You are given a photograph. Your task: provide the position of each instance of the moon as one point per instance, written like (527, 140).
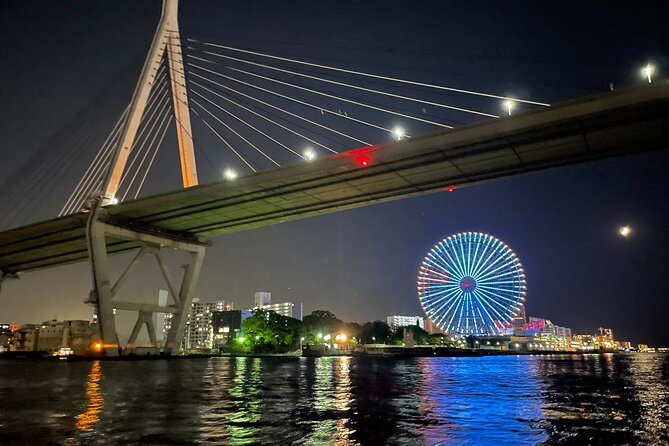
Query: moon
(625, 231)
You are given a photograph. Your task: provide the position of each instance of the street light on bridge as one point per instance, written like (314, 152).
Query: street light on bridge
(648, 71)
(509, 105)
(230, 174)
(309, 154)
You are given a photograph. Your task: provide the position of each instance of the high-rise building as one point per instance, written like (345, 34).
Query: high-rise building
(263, 301)
(198, 333)
(402, 321)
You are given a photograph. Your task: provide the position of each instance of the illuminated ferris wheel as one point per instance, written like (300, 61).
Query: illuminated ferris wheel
(471, 284)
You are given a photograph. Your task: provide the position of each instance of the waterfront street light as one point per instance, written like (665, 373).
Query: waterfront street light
(373, 340)
(301, 341)
(625, 231)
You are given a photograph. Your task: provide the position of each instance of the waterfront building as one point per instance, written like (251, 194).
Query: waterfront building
(6, 336)
(263, 301)
(227, 325)
(520, 319)
(544, 335)
(394, 322)
(74, 337)
(198, 333)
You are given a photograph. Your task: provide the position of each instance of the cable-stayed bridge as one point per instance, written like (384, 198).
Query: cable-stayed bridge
(294, 128)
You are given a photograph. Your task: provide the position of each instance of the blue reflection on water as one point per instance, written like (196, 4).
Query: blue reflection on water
(494, 400)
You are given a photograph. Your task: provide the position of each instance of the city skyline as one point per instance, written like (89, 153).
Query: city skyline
(562, 223)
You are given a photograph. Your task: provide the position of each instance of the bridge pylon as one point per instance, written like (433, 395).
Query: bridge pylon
(166, 41)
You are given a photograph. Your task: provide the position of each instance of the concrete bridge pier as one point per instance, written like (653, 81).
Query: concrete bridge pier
(99, 231)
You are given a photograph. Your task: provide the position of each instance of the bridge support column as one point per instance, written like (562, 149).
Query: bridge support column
(104, 293)
(4, 276)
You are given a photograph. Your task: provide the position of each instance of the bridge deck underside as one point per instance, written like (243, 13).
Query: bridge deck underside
(614, 124)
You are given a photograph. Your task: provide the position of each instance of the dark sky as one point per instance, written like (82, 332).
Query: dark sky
(362, 264)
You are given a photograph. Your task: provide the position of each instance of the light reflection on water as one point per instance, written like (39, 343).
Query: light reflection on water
(503, 400)
(87, 419)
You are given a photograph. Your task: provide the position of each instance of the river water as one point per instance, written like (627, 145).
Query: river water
(500, 400)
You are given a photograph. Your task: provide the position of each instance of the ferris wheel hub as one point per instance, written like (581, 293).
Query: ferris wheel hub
(467, 284)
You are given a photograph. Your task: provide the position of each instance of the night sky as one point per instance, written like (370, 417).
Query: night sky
(362, 264)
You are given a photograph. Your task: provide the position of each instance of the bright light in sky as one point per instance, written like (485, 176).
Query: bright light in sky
(509, 105)
(648, 71)
(230, 174)
(625, 231)
(309, 154)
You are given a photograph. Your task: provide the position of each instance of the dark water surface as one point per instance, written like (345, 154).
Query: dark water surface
(502, 400)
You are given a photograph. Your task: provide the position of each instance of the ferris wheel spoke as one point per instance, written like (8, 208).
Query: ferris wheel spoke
(508, 314)
(436, 297)
(452, 308)
(509, 265)
(439, 293)
(489, 304)
(455, 264)
(486, 327)
(485, 324)
(498, 293)
(487, 262)
(439, 262)
(435, 272)
(452, 302)
(482, 306)
(473, 264)
(435, 264)
(462, 259)
(497, 276)
(462, 308)
(496, 265)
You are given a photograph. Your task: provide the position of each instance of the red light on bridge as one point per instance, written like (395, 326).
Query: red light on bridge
(448, 188)
(363, 160)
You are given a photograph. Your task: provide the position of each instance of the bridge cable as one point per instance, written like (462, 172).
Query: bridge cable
(146, 153)
(371, 75)
(103, 149)
(306, 104)
(343, 84)
(223, 140)
(351, 101)
(98, 168)
(270, 113)
(143, 135)
(264, 117)
(230, 128)
(153, 157)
